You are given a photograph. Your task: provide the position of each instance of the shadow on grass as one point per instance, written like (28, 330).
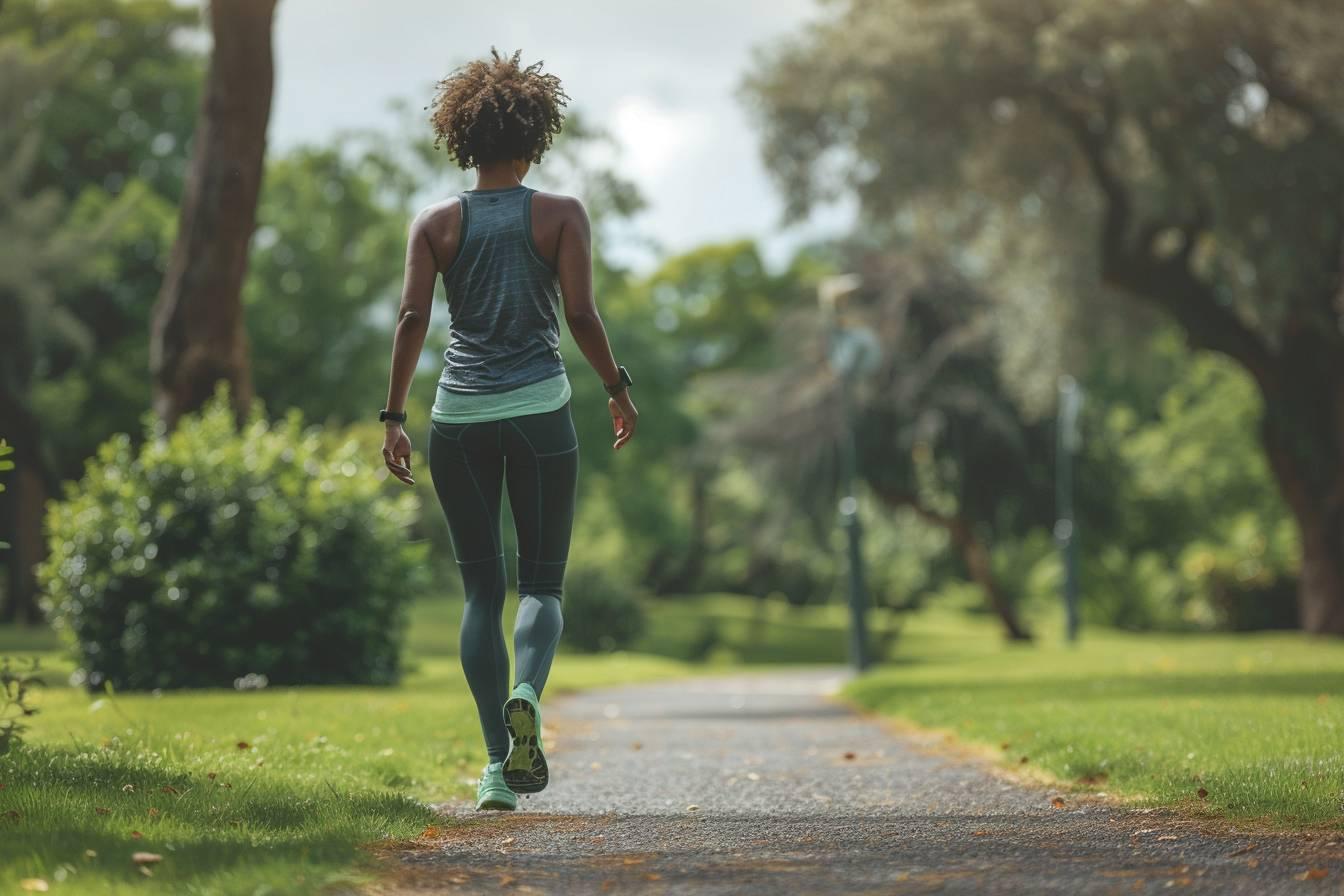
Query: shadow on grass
(90, 810)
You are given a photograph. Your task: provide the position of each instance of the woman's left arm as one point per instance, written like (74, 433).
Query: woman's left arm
(417, 301)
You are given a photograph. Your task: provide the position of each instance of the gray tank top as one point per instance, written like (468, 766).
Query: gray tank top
(503, 298)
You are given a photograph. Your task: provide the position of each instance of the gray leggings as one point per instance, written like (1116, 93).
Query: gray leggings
(538, 456)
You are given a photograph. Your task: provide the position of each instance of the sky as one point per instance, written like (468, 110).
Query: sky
(659, 75)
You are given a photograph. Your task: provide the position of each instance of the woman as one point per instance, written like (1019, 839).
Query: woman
(506, 254)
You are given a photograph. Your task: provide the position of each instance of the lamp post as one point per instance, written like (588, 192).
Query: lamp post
(1067, 441)
(854, 351)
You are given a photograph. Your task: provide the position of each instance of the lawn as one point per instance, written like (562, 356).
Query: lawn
(1246, 726)
(274, 790)
(243, 792)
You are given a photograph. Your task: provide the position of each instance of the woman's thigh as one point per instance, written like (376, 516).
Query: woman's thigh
(467, 467)
(542, 454)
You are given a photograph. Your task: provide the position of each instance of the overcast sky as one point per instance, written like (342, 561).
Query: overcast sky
(660, 75)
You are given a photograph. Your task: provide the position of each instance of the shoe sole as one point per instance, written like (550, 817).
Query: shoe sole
(525, 769)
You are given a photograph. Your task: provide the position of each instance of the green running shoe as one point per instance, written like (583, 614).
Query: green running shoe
(492, 792)
(525, 768)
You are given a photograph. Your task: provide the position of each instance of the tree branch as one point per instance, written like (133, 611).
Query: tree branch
(1168, 283)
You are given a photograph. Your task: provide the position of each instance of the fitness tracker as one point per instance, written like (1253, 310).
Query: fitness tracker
(395, 416)
(621, 386)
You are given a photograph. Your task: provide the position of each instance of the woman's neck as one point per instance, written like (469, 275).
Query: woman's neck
(497, 176)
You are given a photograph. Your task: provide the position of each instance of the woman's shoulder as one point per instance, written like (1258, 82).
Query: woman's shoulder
(558, 205)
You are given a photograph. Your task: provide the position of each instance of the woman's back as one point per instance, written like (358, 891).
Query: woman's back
(502, 298)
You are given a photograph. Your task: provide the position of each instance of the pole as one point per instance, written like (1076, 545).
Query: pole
(849, 521)
(1066, 443)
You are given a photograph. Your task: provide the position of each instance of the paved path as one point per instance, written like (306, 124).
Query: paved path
(764, 785)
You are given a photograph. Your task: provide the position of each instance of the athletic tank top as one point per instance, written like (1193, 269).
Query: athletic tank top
(503, 299)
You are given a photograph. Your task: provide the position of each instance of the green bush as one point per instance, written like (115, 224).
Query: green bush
(603, 609)
(215, 557)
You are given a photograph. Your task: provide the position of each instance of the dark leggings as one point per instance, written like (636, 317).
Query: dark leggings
(538, 455)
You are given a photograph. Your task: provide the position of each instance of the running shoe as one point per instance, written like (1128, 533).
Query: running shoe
(525, 768)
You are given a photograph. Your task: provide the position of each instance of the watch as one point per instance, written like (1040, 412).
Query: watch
(625, 383)
(395, 416)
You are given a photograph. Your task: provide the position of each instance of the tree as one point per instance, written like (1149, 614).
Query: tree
(35, 252)
(936, 431)
(198, 335)
(1202, 144)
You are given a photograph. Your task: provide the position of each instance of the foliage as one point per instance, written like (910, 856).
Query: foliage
(210, 555)
(128, 106)
(604, 609)
(1180, 520)
(15, 686)
(326, 259)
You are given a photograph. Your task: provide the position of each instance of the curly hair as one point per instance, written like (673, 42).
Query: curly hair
(493, 110)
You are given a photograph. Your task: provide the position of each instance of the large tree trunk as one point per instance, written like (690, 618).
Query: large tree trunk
(1303, 435)
(197, 333)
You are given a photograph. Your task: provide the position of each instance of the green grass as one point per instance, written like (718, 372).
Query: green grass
(323, 770)
(723, 629)
(1256, 721)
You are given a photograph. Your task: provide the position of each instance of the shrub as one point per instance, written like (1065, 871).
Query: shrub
(212, 554)
(603, 609)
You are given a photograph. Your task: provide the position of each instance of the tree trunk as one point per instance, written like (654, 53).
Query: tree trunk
(27, 487)
(1303, 435)
(975, 554)
(197, 331)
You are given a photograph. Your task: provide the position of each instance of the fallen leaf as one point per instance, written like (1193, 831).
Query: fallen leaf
(653, 876)
(979, 833)
(1312, 874)
(1202, 793)
(849, 754)
(33, 885)
(211, 776)
(136, 835)
(146, 858)
(692, 808)
(1022, 761)
(636, 746)
(430, 831)
(244, 745)
(1005, 745)
(1057, 802)
(168, 788)
(1180, 882)
(102, 810)
(1252, 863)
(633, 860)
(1169, 837)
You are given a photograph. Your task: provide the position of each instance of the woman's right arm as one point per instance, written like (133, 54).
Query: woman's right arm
(574, 267)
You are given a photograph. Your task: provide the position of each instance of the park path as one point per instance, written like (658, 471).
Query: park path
(764, 784)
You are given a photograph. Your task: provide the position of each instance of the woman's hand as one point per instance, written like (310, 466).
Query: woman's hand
(623, 418)
(397, 453)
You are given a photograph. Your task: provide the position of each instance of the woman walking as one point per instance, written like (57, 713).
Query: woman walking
(507, 254)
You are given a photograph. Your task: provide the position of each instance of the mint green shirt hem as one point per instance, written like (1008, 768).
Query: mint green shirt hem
(535, 398)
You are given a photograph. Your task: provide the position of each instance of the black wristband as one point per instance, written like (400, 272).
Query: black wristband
(395, 416)
(625, 383)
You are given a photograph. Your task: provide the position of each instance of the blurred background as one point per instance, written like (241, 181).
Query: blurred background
(1049, 291)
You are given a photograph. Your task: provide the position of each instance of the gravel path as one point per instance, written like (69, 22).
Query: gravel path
(763, 784)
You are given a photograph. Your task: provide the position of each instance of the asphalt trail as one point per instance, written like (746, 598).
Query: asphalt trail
(764, 784)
